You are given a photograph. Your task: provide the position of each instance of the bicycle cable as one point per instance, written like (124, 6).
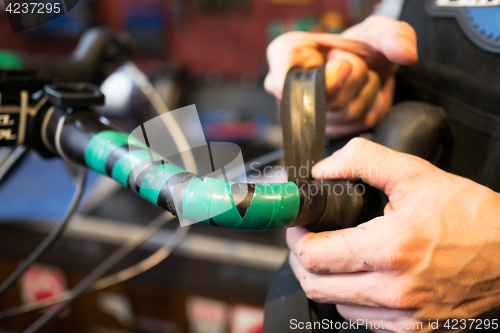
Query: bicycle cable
(54, 235)
(188, 159)
(126, 274)
(146, 264)
(147, 88)
(160, 107)
(86, 283)
(11, 160)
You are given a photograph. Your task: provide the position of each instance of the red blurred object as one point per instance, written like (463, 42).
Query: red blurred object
(230, 42)
(238, 131)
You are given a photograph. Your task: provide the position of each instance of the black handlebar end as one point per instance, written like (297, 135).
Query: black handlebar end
(347, 205)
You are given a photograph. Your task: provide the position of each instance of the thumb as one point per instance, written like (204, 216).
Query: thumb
(374, 164)
(396, 40)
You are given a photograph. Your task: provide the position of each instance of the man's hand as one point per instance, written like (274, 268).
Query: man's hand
(435, 254)
(360, 67)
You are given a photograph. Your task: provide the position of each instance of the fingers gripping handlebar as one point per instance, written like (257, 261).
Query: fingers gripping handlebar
(412, 127)
(79, 134)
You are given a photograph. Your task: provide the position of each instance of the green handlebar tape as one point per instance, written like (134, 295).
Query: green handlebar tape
(207, 200)
(127, 163)
(196, 201)
(102, 145)
(155, 179)
(274, 206)
(211, 199)
(222, 206)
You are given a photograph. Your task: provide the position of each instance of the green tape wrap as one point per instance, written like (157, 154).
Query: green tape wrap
(273, 206)
(196, 201)
(155, 179)
(222, 205)
(211, 199)
(124, 166)
(102, 144)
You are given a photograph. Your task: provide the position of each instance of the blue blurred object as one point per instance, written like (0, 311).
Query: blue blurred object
(145, 23)
(39, 190)
(71, 24)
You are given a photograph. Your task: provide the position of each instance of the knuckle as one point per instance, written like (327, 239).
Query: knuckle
(402, 298)
(399, 255)
(357, 146)
(392, 259)
(414, 167)
(359, 66)
(297, 52)
(411, 168)
(310, 289)
(300, 55)
(285, 41)
(309, 260)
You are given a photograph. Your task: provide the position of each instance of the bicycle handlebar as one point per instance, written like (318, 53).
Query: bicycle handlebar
(73, 131)
(64, 124)
(85, 139)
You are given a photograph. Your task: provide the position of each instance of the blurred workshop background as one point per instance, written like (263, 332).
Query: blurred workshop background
(211, 53)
